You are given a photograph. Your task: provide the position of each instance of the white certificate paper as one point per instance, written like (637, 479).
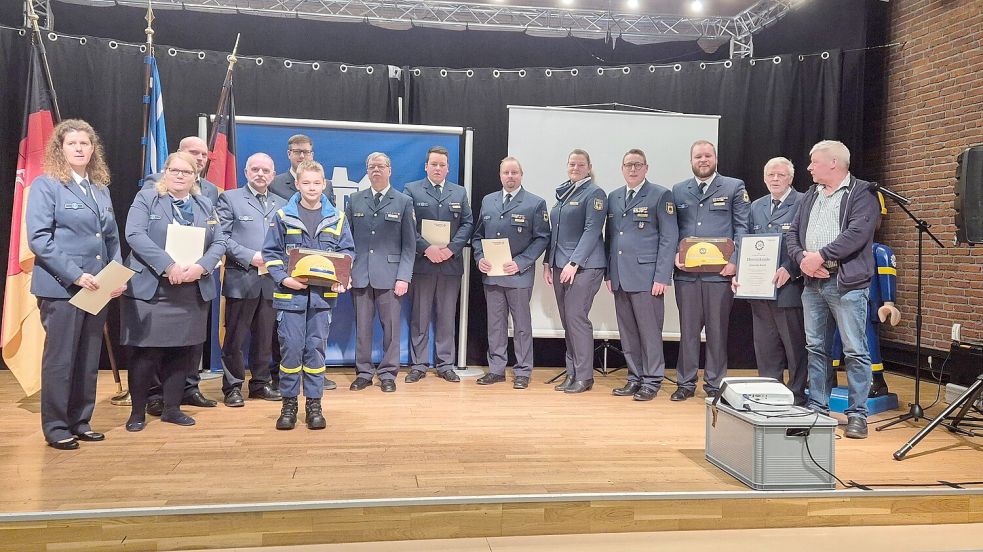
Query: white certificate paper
(185, 244)
(756, 266)
(497, 252)
(436, 232)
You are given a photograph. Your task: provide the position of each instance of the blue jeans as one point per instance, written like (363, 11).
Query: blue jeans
(825, 309)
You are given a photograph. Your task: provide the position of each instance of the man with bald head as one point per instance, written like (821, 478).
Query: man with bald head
(197, 148)
(245, 215)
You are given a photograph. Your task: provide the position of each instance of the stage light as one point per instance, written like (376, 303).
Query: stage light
(566, 2)
(632, 4)
(696, 6)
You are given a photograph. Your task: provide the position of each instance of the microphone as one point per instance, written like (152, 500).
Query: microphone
(900, 199)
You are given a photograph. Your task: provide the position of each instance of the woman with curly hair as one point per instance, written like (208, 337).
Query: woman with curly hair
(73, 234)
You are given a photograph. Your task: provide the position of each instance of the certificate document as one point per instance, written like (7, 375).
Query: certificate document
(111, 277)
(497, 252)
(436, 232)
(185, 244)
(756, 266)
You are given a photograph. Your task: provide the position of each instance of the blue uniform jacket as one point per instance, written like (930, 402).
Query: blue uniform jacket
(245, 222)
(450, 205)
(526, 224)
(763, 221)
(386, 245)
(288, 232)
(146, 233)
(578, 224)
(68, 237)
(722, 212)
(642, 237)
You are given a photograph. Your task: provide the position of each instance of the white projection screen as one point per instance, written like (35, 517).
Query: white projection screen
(542, 137)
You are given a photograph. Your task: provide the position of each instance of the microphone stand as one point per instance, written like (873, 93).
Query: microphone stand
(915, 411)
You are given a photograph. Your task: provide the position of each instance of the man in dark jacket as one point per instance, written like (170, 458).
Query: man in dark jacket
(830, 239)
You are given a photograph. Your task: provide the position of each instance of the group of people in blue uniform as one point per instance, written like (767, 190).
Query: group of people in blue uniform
(627, 239)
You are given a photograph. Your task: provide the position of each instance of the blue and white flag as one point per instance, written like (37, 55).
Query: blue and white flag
(155, 142)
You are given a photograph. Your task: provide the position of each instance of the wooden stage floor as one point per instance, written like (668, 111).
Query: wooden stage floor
(457, 454)
(428, 439)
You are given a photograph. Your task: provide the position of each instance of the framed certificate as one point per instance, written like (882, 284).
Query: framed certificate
(756, 266)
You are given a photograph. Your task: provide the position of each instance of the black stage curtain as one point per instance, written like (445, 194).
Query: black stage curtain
(104, 85)
(768, 108)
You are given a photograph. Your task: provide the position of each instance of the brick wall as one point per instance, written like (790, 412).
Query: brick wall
(933, 111)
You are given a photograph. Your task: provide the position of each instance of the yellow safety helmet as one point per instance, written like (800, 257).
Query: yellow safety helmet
(703, 253)
(314, 266)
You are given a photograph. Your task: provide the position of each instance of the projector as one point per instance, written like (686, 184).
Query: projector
(756, 394)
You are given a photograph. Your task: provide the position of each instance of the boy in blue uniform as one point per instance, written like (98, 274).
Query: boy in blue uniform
(304, 313)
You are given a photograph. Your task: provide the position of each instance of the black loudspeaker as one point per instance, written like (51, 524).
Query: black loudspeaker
(965, 363)
(969, 196)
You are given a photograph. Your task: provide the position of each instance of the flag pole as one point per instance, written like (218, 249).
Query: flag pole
(122, 396)
(149, 31)
(32, 16)
(224, 96)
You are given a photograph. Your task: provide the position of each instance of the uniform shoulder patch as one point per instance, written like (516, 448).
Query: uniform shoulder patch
(747, 199)
(546, 216)
(670, 208)
(598, 204)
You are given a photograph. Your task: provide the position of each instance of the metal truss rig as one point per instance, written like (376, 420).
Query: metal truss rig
(537, 21)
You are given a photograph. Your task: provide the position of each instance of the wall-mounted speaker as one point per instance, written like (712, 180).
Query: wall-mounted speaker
(969, 196)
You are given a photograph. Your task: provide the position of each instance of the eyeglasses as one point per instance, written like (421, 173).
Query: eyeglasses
(301, 152)
(376, 166)
(180, 172)
(634, 166)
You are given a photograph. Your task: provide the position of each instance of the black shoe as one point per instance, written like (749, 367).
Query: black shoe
(329, 384)
(65, 444)
(645, 394)
(288, 414)
(567, 382)
(155, 407)
(197, 399)
(490, 378)
(315, 418)
(175, 416)
(414, 376)
(713, 393)
(233, 399)
(878, 389)
(360, 383)
(388, 385)
(856, 428)
(681, 394)
(266, 393)
(91, 436)
(626, 391)
(521, 382)
(450, 375)
(135, 424)
(580, 386)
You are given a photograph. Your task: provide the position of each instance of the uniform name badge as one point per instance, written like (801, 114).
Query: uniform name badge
(757, 264)
(704, 254)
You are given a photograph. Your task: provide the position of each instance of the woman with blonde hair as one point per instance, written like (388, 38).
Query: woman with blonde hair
(165, 307)
(73, 234)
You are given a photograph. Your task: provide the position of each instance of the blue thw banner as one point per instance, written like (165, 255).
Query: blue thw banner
(155, 142)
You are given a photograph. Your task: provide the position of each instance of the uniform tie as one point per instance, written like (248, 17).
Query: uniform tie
(703, 188)
(183, 210)
(262, 200)
(774, 204)
(631, 196)
(508, 199)
(378, 198)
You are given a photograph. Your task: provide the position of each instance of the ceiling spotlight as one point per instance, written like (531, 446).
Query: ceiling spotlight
(566, 2)
(632, 4)
(696, 6)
